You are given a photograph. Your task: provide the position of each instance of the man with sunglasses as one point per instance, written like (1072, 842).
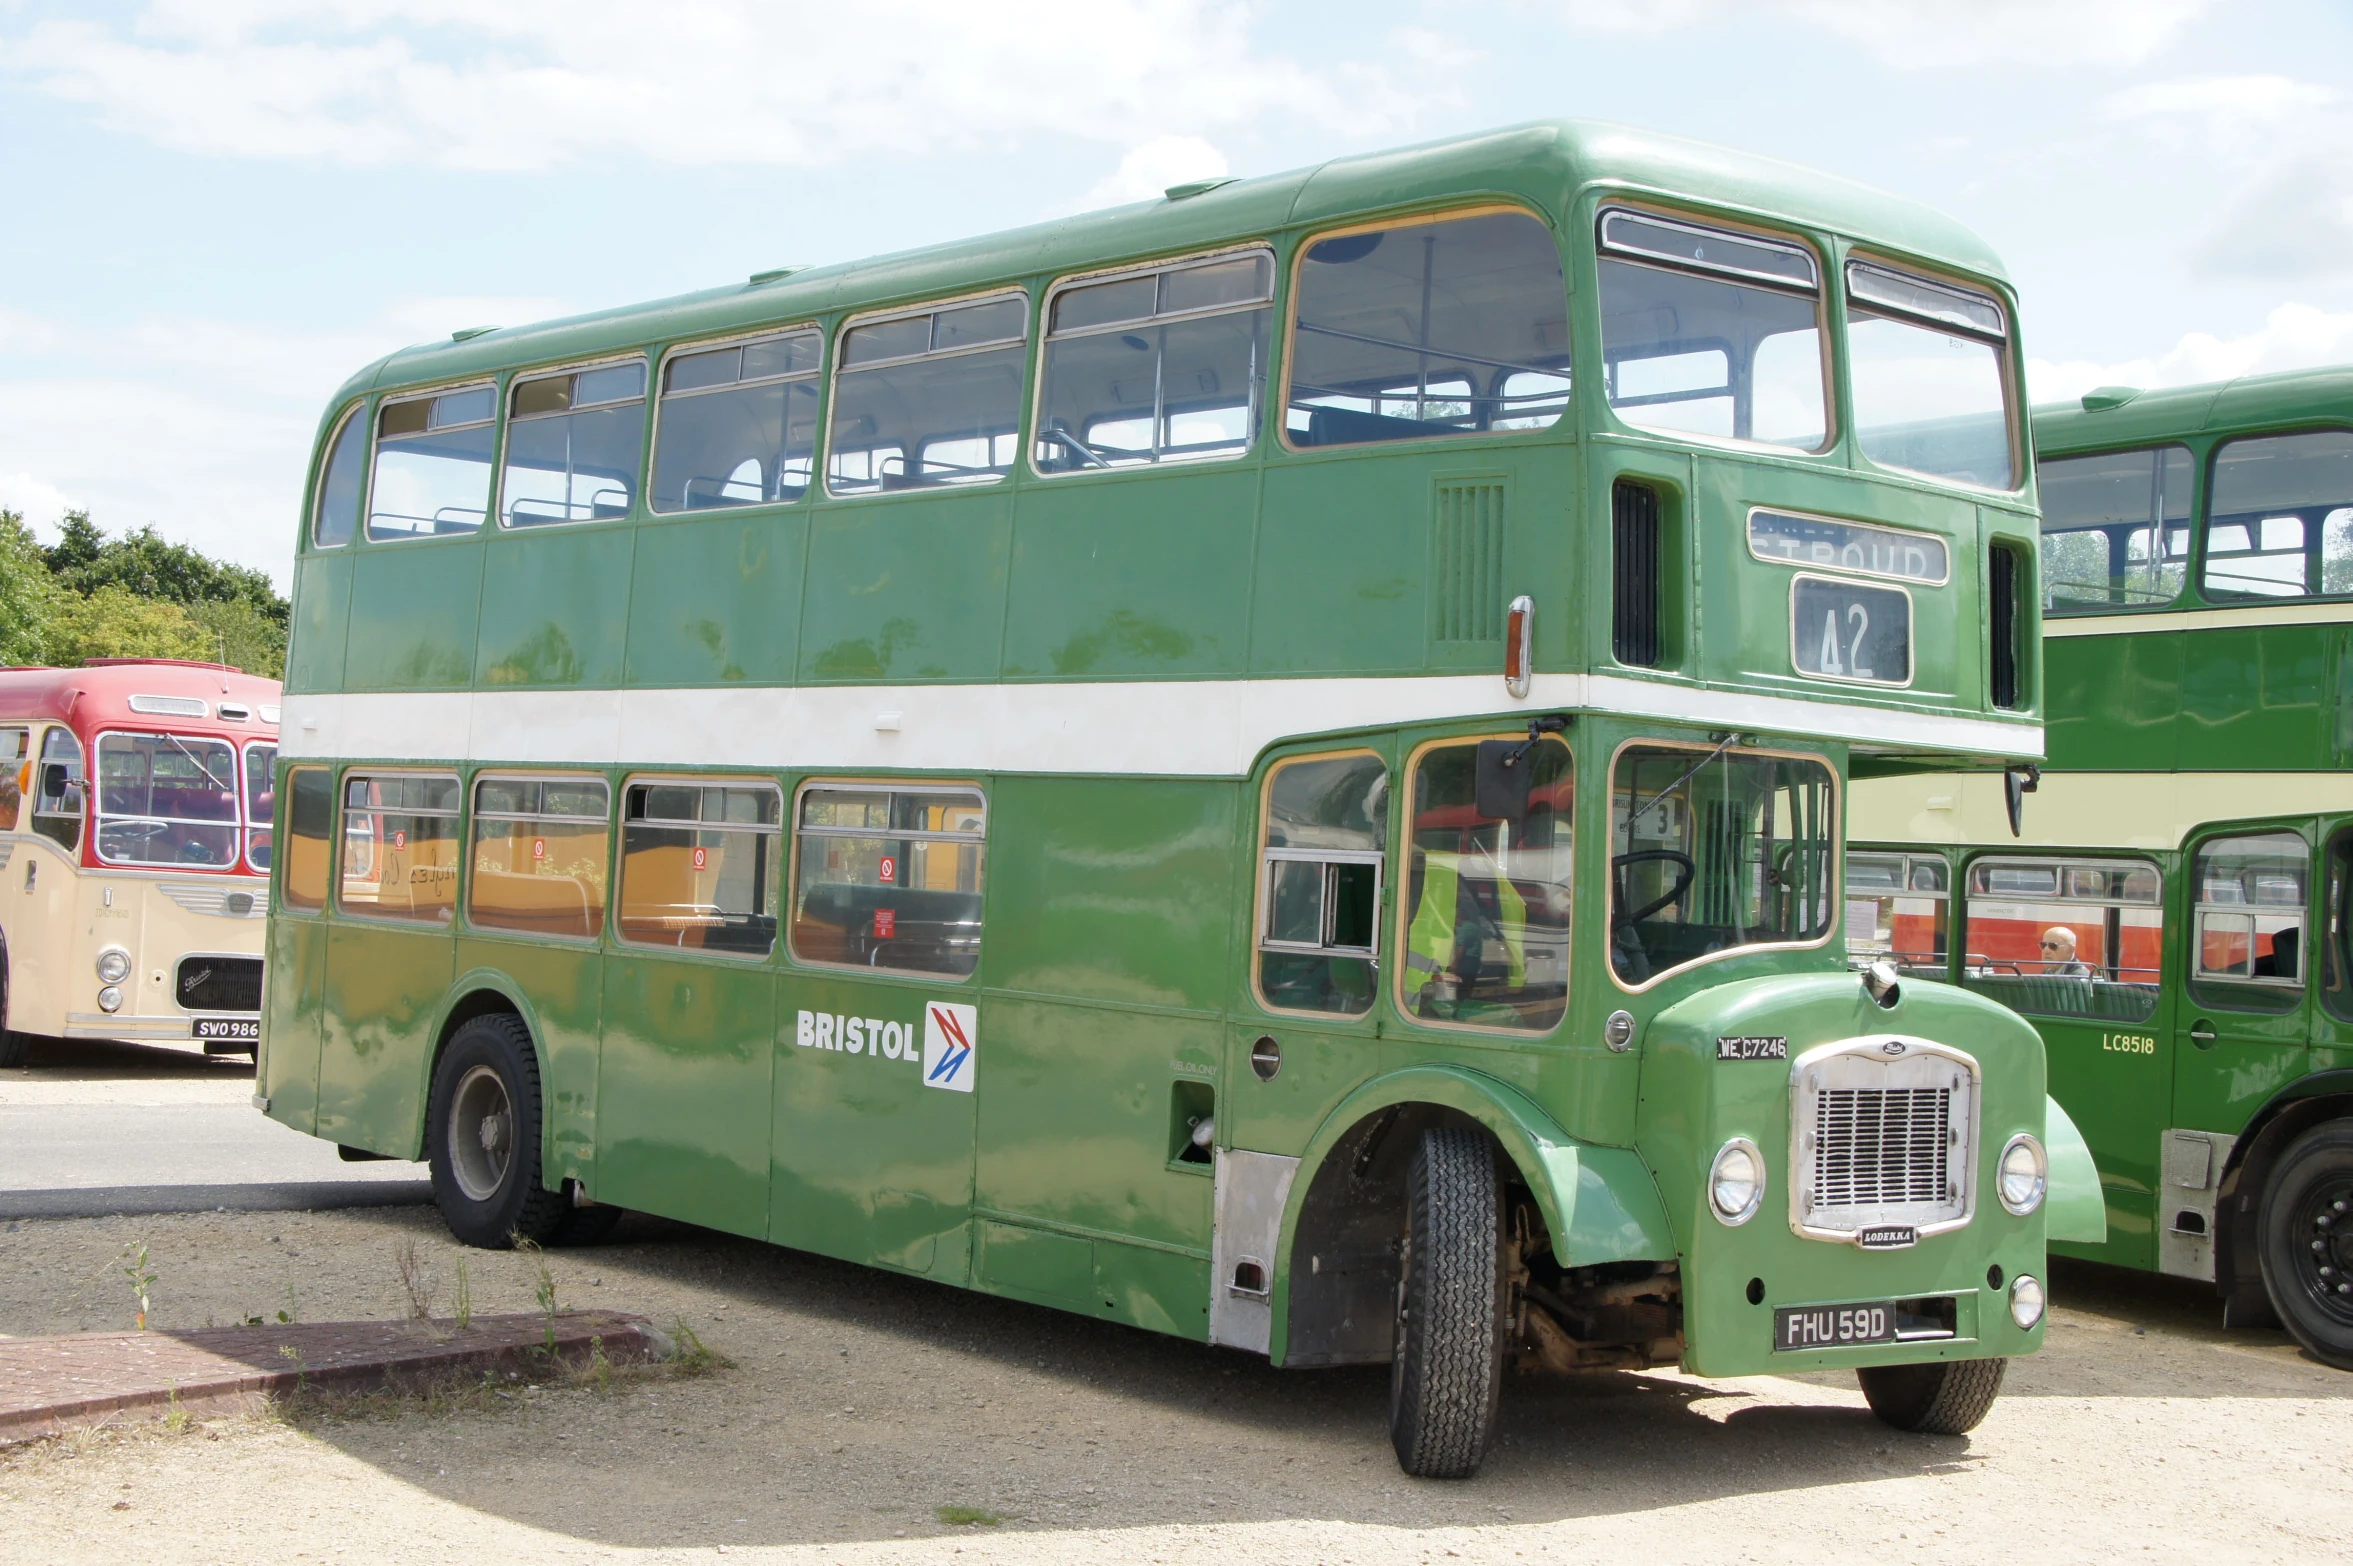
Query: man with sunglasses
(2059, 953)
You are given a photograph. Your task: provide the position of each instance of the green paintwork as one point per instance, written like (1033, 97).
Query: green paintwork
(2073, 1210)
(1114, 990)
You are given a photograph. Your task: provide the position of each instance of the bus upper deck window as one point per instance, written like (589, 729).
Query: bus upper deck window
(923, 401)
(2116, 528)
(1709, 331)
(1327, 829)
(700, 866)
(889, 878)
(433, 464)
(540, 848)
(310, 835)
(738, 423)
(2279, 523)
(1451, 326)
(1930, 389)
(341, 484)
(574, 441)
(400, 847)
(57, 790)
(1488, 898)
(1160, 366)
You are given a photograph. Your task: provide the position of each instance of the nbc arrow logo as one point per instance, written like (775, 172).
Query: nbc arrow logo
(948, 1035)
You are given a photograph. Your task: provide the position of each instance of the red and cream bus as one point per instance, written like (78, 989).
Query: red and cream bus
(135, 805)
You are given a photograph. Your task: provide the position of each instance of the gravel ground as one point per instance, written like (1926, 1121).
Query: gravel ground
(859, 1404)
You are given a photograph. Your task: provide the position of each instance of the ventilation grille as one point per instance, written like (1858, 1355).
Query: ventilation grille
(2002, 612)
(1882, 1147)
(1634, 580)
(1468, 572)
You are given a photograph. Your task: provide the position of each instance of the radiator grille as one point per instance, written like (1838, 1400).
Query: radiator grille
(2002, 625)
(1634, 575)
(1467, 577)
(219, 984)
(1881, 1147)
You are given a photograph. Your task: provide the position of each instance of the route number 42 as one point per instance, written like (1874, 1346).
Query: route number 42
(1848, 631)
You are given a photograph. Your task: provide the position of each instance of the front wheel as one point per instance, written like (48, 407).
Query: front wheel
(2306, 1241)
(1950, 1397)
(1447, 1378)
(482, 1137)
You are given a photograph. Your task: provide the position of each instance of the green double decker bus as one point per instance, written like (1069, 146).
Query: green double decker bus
(1267, 765)
(2175, 915)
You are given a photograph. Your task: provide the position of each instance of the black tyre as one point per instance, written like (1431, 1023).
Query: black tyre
(1951, 1397)
(586, 1225)
(2305, 1230)
(15, 1048)
(1447, 1378)
(482, 1137)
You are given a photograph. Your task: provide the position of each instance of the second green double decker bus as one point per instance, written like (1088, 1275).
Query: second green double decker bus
(1268, 765)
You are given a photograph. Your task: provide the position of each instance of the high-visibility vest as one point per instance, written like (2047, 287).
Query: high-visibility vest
(1429, 939)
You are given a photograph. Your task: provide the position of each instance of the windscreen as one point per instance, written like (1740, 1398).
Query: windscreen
(1715, 850)
(167, 800)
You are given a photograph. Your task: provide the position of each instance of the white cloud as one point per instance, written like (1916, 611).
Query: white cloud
(202, 427)
(2293, 337)
(1150, 169)
(531, 84)
(1926, 34)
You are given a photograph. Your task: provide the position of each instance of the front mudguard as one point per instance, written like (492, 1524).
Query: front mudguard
(2076, 1209)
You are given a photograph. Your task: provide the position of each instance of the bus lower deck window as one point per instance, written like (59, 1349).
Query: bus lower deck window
(889, 878)
(539, 856)
(700, 866)
(400, 847)
(1487, 898)
(310, 837)
(1327, 828)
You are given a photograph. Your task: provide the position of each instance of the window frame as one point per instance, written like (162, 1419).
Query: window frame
(2206, 465)
(495, 384)
(281, 864)
(1833, 927)
(1182, 263)
(621, 820)
(1278, 402)
(1907, 857)
(821, 376)
(2193, 524)
(2252, 991)
(248, 823)
(2015, 412)
(457, 901)
(96, 797)
(513, 381)
(1705, 221)
(838, 365)
(475, 815)
(884, 786)
(1262, 901)
(1401, 832)
(12, 769)
(361, 407)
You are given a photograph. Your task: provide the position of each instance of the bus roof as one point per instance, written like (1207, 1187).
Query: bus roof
(2100, 422)
(1544, 162)
(100, 695)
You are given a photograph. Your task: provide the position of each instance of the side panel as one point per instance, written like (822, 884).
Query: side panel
(384, 990)
(2115, 1081)
(294, 974)
(37, 890)
(564, 985)
(2255, 691)
(682, 1089)
(413, 608)
(2112, 701)
(716, 601)
(915, 589)
(562, 598)
(322, 598)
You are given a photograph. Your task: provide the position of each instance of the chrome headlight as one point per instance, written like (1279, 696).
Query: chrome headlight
(2026, 1302)
(1736, 1181)
(2023, 1175)
(110, 999)
(114, 965)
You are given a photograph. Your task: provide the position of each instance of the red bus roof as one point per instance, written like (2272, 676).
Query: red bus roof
(101, 694)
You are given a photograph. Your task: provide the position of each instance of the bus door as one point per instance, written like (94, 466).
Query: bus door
(2244, 1020)
(2332, 1022)
(2076, 945)
(688, 1021)
(878, 1044)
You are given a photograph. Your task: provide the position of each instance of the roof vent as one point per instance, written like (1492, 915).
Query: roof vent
(233, 714)
(2101, 398)
(775, 274)
(269, 714)
(169, 706)
(1196, 187)
(465, 333)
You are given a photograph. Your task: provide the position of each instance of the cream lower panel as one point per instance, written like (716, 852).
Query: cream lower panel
(1200, 728)
(2145, 810)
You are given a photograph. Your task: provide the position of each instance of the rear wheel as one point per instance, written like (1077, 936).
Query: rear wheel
(1951, 1397)
(1446, 1381)
(2306, 1241)
(15, 1048)
(482, 1137)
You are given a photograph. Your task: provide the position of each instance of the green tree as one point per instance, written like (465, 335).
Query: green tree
(238, 633)
(146, 563)
(113, 623)
(27, 595)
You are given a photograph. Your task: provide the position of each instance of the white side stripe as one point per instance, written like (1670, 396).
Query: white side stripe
(1192, 728)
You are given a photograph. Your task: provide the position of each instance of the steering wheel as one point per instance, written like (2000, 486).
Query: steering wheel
(1620, 863)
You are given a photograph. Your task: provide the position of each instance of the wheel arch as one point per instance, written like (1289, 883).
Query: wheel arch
(2286, 1115)
(1347, 1201)
(480, 993)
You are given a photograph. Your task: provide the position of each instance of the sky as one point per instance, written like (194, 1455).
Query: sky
(213, 211)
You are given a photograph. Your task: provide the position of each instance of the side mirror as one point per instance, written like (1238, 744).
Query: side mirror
(54, 780)
(2017, 783)
(1500, 779)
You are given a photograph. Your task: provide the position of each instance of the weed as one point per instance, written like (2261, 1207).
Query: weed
(694, 1357)
(600, 1369)
(417, 1280)
(175, 1417)
(967, 1517)
(543, 1287)
(293, 1311)
(142, 1277)
(462, 1299)
(301, 1371)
